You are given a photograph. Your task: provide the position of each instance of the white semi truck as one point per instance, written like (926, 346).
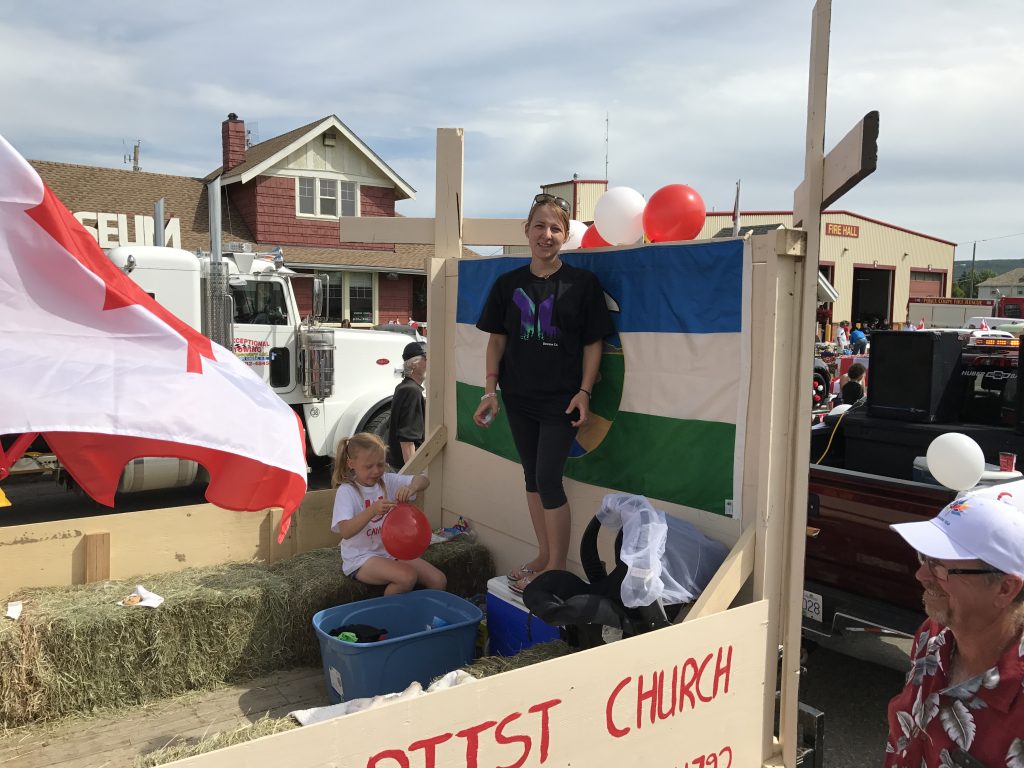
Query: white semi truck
(339, 380)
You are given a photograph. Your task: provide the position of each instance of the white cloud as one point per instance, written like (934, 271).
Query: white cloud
(701, 93)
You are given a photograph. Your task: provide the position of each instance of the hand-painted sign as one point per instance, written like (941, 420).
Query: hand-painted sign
(689, 696)
(842, 230)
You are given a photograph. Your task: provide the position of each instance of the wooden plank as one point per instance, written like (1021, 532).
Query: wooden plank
(119, 738)
(595, 707)
(727, 581)
(97, 556)
(158, 540)
(427, 452)
(386, 229)
(493, 232)
(850, 161)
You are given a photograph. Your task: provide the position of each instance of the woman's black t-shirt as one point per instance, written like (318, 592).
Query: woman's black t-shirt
(548, 322)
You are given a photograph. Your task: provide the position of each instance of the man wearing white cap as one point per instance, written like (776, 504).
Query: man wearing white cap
(963, 704)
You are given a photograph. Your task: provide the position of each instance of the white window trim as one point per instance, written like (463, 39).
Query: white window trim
(316, 197)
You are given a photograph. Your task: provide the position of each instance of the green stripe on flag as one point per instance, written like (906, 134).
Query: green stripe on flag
(497, 438)
(684, 461)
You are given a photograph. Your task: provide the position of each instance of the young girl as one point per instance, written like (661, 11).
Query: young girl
(366, 493)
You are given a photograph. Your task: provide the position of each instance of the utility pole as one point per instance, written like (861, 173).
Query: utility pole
(974, 250)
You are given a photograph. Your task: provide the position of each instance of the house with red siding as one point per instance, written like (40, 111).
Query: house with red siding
(292, 191)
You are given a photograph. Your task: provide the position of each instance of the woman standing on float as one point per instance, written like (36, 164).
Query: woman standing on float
(546, 322)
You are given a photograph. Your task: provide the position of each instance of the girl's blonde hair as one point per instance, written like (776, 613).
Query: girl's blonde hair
(349, 448)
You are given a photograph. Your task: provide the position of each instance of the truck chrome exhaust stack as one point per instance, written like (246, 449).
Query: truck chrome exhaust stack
(316, 362)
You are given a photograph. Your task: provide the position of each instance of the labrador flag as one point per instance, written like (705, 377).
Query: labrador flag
(107, 375)
(669, 409)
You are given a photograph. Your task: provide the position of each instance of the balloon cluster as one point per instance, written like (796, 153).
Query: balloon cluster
(623, 217)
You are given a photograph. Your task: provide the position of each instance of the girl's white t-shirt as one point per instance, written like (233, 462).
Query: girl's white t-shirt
(349, 501)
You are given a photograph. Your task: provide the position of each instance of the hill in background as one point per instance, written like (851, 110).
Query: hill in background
(999, 266)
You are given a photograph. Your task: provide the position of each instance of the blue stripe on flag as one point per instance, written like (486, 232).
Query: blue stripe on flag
(675, 288)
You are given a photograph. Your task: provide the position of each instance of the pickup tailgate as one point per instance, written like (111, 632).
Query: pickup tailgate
(850, 547)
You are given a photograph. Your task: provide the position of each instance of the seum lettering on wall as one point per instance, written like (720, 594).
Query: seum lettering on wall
(114, 229)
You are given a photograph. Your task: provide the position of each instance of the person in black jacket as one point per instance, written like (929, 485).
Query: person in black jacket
(405, 431)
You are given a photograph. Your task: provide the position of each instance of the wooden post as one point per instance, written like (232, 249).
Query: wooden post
(97, 556)
(796, 452)
(447, 244)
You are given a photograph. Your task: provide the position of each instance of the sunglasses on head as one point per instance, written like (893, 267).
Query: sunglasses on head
(544, 197)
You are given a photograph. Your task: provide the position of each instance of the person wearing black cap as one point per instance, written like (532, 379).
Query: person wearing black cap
(405, 432)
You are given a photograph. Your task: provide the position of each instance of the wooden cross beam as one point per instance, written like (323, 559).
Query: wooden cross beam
(852, 159)
(379, 229)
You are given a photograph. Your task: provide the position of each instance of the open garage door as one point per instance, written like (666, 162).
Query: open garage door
(872, 296)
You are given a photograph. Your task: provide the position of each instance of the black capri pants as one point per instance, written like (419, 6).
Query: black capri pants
(543, 445)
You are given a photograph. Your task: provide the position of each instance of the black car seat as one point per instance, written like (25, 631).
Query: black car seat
(582, 609)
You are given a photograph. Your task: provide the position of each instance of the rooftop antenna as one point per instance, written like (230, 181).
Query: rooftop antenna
(252, 134)
(133, 158)
(606, 146)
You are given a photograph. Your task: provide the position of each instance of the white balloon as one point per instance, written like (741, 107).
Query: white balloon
(618, 215)
(576, 232)
(956, 461)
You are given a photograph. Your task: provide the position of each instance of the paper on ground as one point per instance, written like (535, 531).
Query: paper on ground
(319, 714)
(147, 599)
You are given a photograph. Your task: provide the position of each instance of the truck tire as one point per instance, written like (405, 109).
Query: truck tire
(379, 424)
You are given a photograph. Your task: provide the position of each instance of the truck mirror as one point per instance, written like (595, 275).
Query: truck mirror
(318, 299)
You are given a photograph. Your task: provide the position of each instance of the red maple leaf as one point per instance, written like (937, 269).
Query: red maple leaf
(121, 291)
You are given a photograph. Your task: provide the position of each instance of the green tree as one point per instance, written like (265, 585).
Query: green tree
(962, 287)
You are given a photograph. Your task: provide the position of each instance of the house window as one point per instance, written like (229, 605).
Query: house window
(348, 198)
(307, 196)
(360, 297)
(326, 197)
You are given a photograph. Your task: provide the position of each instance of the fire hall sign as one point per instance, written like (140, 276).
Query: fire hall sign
(114, 229)
(842, 230)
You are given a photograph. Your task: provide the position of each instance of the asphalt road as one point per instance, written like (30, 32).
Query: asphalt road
(853, 694)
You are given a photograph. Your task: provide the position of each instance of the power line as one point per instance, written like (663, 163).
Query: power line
(988, 239)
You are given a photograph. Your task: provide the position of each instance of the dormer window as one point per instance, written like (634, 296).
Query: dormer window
(324, 198)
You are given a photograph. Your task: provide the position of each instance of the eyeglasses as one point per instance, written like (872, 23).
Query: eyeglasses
(942, 572)
(544, 197)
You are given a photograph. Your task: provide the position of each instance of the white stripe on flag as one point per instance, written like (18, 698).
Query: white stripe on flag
(470, 354)
(682, 375)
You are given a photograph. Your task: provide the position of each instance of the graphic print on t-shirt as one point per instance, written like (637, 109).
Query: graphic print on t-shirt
(535, 321)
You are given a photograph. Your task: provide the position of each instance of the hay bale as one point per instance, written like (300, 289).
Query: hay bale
(74, 650)
(486, 666)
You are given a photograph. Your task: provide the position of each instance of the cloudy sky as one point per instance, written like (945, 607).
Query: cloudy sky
(696, 92)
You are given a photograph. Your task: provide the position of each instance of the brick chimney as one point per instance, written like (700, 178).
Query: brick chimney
(232, 136)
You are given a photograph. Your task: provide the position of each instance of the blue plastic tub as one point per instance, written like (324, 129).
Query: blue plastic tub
(414, 648)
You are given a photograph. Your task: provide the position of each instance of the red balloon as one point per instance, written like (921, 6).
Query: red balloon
(675, 212)
(592, 238)
(405, 532)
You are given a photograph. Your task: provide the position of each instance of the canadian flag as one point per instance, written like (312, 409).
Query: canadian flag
(983, 325)
(920, 326)
(107, 375)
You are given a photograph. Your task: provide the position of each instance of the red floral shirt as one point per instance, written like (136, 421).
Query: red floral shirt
(930, 722)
